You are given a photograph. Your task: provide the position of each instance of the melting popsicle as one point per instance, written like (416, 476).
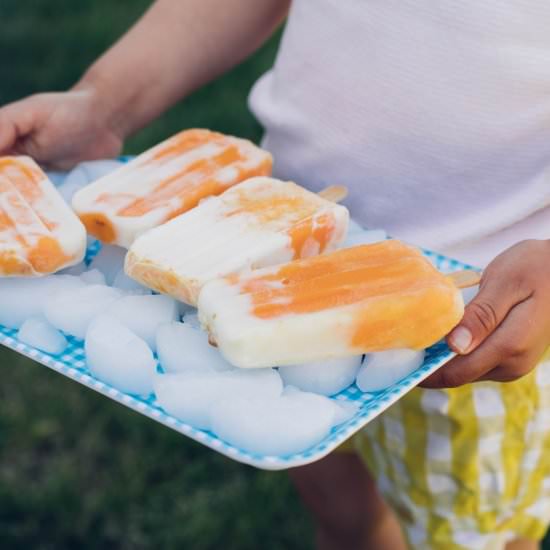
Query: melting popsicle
(257, 223)
(165, 181)
(39, 233)
(357, 300)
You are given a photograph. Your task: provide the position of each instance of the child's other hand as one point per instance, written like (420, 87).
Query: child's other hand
(506, 327)
(58, 130)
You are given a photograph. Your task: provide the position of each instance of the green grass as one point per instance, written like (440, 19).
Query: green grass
(77, 470)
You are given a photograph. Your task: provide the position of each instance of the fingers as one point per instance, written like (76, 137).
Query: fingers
(507, 354)
(8, 130)
(496, 296)
(57, 129)
(513, 368)
(17, 121)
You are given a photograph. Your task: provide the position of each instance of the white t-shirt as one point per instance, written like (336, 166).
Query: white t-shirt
(436, 115)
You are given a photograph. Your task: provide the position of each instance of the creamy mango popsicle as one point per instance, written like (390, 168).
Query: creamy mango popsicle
(39, 233)
(357, 300)
(165, 181)
(258, 223)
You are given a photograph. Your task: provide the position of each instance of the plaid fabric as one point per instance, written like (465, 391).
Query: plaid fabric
(468, 467)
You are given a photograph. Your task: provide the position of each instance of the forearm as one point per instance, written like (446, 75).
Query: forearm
(177, 46)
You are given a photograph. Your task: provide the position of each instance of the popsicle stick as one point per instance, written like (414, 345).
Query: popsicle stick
(465, 278)
(334, 193)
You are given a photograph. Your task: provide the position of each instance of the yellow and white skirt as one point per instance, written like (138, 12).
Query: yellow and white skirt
(466, 468)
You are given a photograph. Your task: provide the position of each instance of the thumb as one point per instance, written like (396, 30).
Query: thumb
(17, 120)
(8, 130)
(496, 297)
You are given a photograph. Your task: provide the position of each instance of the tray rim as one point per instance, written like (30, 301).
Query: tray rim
(380, 401)
(147, 408)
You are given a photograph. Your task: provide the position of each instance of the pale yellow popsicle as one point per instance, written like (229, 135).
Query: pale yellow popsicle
(39, 233)
(165, 181)
(260, 222)
(358, 300)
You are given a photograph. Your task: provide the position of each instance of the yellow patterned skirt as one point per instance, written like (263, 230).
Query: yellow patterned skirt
(466, 468)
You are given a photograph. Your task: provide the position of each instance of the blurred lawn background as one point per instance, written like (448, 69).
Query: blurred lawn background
(78, 471)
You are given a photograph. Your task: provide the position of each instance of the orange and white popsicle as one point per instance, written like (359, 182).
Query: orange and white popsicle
(258, 223)
(165, 181)
(39, 233)
(357, 300)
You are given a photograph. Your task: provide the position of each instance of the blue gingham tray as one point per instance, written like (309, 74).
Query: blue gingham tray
(72, 364)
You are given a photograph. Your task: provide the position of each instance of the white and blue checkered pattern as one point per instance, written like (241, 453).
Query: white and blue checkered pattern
(72, 363)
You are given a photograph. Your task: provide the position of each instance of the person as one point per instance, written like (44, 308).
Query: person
(437, 117)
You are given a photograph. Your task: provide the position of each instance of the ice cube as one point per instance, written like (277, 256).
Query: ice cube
(95, 169)
(77, 176)
(181, 347)
(144, 314)
(76, 270)
(190, 395)
(72, 311)
(109, 260)
(56, 177)
(364, 237)
(346, 411)
(93, 277)
(324, 377)
(184, 309)
(67, 189)
(124, 282)
(384, 368)
(39, 334)
(354, 227)
(289, 390)
(21, 299)
(282, 425)
(73, 182)
(83, 174)
(117, 356)
(192, 319)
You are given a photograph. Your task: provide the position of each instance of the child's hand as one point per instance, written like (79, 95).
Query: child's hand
(58, 129)
(166, 55)
(506, 327)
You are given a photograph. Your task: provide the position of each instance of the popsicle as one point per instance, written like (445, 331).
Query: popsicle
(357, 300)
(39, 233)
(165, 181)
(257, 223)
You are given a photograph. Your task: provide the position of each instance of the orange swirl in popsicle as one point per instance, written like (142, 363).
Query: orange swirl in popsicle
(165, 181)
(257, 223)
(39, 233)
(352, 301)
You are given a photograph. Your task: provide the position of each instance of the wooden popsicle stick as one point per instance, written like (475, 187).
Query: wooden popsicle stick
(465, 278)
(334, 193)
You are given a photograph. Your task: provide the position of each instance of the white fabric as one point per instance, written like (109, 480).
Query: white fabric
(435, 114)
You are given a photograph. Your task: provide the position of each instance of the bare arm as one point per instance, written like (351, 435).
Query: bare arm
(177, 46)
